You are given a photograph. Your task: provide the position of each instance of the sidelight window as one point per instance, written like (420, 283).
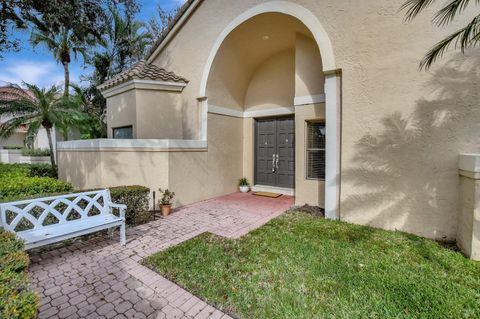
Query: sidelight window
(315, 150)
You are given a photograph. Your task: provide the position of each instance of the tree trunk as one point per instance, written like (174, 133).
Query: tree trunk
(67, 78)
(50, 144)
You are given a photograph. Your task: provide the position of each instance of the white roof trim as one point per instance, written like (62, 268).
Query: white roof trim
(178, 25)
(144, 85)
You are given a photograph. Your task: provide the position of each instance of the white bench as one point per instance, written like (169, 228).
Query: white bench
(77, 214)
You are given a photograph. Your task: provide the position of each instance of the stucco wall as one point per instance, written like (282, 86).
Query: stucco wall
(272, 84)
(309, 78)
(197, 176)
(158, 115)
(121, 111)
(94, 169)
(17, 139)
(307, 191)
(401, 129)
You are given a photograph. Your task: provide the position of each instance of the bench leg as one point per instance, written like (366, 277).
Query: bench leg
(110, 232)
(123, 236)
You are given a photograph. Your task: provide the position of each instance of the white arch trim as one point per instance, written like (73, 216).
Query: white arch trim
(332, 89)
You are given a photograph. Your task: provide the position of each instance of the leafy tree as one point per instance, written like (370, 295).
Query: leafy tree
(84, 18)
(125, 42)
(157, 25)
(38, 107)
(466, 37)
(62, 44)
(9, 20)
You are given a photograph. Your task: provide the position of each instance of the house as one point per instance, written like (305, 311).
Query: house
(320, 99)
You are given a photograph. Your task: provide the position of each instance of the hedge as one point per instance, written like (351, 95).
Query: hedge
(35, 152)
(136, 198)
(20, 187)
(18, 181)
(16, 299)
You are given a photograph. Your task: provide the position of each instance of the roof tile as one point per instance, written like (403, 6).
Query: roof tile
(142, 71)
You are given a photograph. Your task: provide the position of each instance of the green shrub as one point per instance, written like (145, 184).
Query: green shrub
(35, 152)
(42, 170)
(18, 181)
(12, 147)
(136, 198)
(19, 187)
(16, 299)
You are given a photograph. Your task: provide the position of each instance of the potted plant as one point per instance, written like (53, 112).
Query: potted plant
(244, 185)
(166, 201)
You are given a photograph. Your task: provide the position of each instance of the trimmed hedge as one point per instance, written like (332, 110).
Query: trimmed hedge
(16, 300)
(18, 181)
(35, 152)
(12, 147)
(136, 198)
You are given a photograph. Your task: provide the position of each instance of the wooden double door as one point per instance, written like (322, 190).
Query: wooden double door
(275, 152)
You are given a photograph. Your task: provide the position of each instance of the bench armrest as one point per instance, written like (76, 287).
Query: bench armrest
(121, 207)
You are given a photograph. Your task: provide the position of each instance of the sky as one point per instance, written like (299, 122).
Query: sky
(37, 66)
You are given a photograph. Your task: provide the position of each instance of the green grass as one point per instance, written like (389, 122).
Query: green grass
(300, 266)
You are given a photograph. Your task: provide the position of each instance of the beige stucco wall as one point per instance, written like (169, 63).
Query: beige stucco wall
(121, 111)
(152, 113)
(307, 191)
(393, 176)
(158, 115)
(309, 78)
(94, 169)
(272, 84)
(192, 174)
(203, 175)
(249, 149)
(17, 139)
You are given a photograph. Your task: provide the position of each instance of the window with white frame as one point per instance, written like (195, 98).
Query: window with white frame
(125, 132)
(315, 151)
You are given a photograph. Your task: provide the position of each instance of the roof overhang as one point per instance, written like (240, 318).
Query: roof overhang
(144, 85)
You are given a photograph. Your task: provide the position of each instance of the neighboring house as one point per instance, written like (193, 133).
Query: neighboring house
(19, 137)
(320, 99)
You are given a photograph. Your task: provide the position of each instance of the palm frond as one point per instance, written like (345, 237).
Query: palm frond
(414, 7)
(467, 37)
(450, 11)
(9, 127)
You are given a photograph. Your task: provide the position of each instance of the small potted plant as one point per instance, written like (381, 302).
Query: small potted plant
(166, 201)
(244, 185)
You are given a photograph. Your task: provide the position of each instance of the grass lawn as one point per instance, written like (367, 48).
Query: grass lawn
(300, 266)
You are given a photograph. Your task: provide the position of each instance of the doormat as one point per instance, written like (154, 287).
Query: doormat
(267, 194)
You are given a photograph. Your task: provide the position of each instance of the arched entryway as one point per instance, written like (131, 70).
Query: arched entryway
(257, 70)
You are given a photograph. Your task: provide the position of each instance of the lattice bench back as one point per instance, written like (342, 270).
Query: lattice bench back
(55, 210)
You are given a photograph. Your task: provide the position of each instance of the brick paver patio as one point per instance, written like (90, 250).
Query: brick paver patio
(98, 278)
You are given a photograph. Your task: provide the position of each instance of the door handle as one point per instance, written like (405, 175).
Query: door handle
(273, 163)
(276, 162)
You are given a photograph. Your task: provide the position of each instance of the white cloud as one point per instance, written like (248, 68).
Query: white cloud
(41, 73)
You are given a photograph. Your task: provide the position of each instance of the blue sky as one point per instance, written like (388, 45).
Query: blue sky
(38, 65)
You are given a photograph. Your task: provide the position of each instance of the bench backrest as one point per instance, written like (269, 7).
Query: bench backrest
(42, 212)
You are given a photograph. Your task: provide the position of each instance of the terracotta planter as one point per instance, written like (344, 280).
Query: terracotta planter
(166, 209)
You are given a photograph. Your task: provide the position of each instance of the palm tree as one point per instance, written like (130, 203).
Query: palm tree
(62, 44)
(125, 43)
(38, 107)
(464, 38)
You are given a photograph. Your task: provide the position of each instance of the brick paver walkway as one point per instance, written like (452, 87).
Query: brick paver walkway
(98, 278)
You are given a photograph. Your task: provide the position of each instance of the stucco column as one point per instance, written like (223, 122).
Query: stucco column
(468, 231)
(332, 147)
